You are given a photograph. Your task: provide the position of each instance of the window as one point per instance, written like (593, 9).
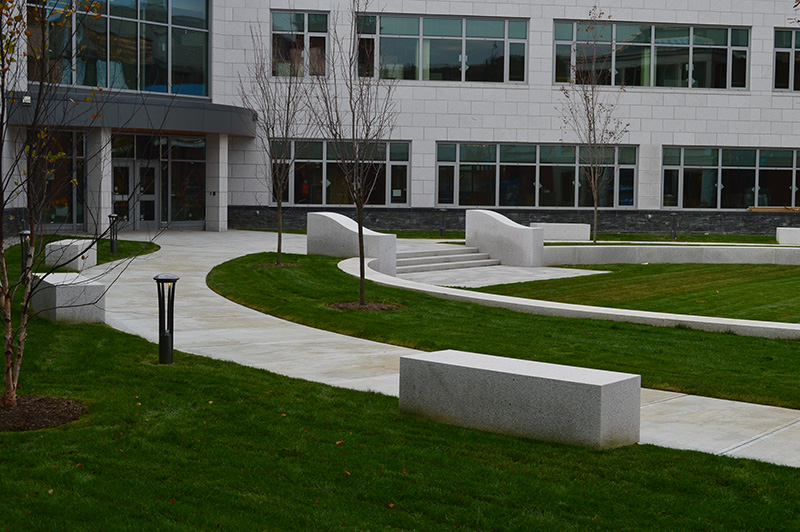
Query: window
(529, 175)
(317, 178)
(442, 48)
(122, 47)
(645, 55)
(729, 178)
(299, 43)
(787, 58)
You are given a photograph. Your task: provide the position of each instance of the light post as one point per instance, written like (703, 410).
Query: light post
(24, 245)
(674, 224)
(166, 313)
(112, 232)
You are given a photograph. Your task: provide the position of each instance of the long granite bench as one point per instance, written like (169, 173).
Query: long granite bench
(73, 254)
(69, 297)
(533, 399)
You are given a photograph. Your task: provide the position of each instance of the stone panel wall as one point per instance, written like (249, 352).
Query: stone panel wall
(624, 221)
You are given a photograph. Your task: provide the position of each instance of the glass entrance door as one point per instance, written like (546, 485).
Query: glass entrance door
(135, 194)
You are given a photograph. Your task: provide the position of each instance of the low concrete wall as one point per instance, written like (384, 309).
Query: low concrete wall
(545, 401)
(69, 297)
(673, 254)
(509, 242)
(788, 236)
(73, 254)
(555, 231)
(336, 235)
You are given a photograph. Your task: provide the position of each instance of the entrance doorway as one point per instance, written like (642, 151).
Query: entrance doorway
(135, 194)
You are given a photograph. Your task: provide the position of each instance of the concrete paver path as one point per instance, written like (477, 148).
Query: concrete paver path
(210, 325)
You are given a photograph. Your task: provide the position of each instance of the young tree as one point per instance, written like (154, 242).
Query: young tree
(274, 89)
(589, 105)
(36, 51)
(354, 109)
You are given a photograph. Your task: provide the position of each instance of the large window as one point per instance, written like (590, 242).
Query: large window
(157, 46)
(648, 55)
(529, 175)
(317, 178)
(63, 183)
(729, 178)
(299, 43)
(787, 59)
(443, 48)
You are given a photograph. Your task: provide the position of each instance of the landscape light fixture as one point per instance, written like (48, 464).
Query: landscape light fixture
(24, 245)
(166, 315)
(112, 232)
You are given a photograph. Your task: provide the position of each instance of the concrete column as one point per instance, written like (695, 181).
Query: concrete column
(216, 183)
(98, 179)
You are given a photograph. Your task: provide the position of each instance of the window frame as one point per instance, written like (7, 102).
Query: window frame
(327, 158)
(499, 164)
(307, 34)
(720, 167)
(374, 21)
(690, 44)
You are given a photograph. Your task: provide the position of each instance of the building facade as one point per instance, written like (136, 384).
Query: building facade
(710, 102)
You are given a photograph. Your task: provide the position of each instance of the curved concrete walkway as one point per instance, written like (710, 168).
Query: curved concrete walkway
(209, 325)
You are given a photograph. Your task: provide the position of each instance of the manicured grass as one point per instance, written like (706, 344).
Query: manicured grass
(717, 365)
(125, 249)
(209, 445)
(747, 291)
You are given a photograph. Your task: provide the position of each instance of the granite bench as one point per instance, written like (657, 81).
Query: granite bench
(69, 297)
(533, 399)
(788, 236)
(75, 254)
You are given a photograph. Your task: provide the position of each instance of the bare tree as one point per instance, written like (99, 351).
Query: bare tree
(354, 109)
(274, 89)
(37, 105)
(589, 105)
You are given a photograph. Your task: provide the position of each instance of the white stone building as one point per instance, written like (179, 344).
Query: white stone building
(710, 99)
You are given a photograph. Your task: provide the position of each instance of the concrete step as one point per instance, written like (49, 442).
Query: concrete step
(457, 250)
(447, 266)
(436, 259)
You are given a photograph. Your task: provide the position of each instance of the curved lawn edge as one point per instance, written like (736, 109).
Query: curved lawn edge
(762, 329)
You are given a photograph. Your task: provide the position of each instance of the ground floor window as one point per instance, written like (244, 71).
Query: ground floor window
(530, 175)
(318, 179)
(729, 178)
(158, 180)
(63, 183)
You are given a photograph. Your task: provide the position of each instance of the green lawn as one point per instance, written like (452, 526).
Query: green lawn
(746, 291)
(717, 365)
(209, 445)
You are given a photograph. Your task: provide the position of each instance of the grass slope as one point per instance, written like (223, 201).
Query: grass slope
(717, 365)
(209, 445)
(747, 291)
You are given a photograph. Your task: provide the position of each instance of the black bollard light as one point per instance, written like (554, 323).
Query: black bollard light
(443, 227)
(24, 245)
(112, 232)
(166, 314)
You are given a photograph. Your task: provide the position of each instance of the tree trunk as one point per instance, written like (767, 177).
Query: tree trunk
(594, 225)
(361, 269)
(280, 231)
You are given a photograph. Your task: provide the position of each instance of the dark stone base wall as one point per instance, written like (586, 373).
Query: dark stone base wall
(614, 221)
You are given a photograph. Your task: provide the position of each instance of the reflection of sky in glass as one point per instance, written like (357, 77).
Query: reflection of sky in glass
(189, 13)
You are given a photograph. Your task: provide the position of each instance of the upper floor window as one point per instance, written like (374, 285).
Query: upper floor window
(787, 57)
(645, 55)
(530, 175)
(442, 48)
(729, 178)
(298, 43)
(157, 46)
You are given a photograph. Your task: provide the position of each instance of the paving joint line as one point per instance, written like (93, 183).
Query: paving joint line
(665, 400)
(765, 434)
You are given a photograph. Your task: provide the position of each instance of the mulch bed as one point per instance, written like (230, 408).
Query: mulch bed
(34, 413)
(369, 305)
